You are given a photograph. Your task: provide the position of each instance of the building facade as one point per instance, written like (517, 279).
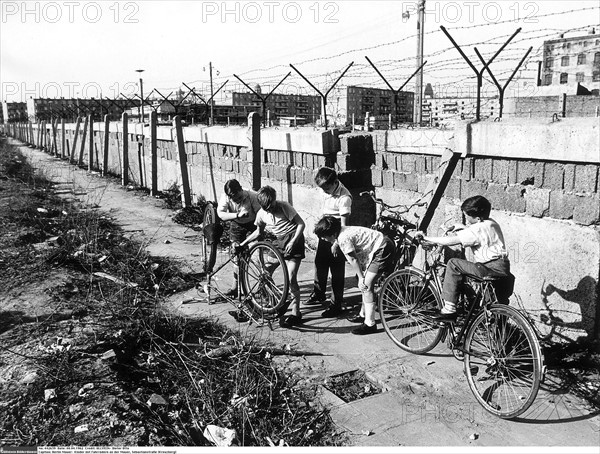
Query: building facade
(437, 111)
(43, 109)
(378, 103)
(571, 61)
(305, 107)
(14, 112)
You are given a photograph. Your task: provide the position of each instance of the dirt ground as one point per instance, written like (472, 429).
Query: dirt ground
(60, 324)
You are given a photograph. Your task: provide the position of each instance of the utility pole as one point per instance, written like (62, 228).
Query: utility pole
(212, 101)
(141, 95)
(419, 80)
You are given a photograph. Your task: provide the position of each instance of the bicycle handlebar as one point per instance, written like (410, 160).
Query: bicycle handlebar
(385, 206)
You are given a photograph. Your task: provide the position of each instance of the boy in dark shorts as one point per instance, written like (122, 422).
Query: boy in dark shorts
(370, 253)
(283, 222)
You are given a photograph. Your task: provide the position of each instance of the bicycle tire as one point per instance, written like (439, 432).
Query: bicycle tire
(406, 303)
(210, 250)
(504, 346)
(265, 279)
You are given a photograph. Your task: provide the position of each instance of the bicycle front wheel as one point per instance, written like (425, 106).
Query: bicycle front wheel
(265, 279)
(210, 222)
(406, 302)
(503, 361)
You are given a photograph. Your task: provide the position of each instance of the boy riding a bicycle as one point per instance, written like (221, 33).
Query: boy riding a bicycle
(370, 253)
(486, 241)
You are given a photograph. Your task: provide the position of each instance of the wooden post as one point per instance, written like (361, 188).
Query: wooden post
(91, 150)
(54, 133)
(185, 182)
(74, 149)
(64, 138)
(153, 155)
(31, 135)
(125, 151)
(563, 105)
(83, 137)
(254, 124)
(105, 155)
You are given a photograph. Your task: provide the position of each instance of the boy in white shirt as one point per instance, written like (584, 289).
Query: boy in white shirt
(485, 239)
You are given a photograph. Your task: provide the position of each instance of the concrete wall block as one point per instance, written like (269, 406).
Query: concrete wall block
(466, 172)
(423, 182)
(537, 201)
(553, 176)
(497, 195)
(586, 178)
(513, 167)
(245, 153)
(500, 171)
(421, 164)
(530, 173)
(473, 188)
(482, 169)
(309, 177)
(562, 204)
(380, 160)
(587, 210)
(228, 164)
(406, 163)
(569, 177)
(388, 179)
(376, 176)
(320, 161)
(406, 181)
(515, 200)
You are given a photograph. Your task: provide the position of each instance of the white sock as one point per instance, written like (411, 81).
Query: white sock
(449, 307)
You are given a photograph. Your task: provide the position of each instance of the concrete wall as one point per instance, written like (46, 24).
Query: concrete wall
(542, 178)
(546, 106)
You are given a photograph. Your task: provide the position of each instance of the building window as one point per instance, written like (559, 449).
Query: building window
(564, 78)
(548, 79)
(579, 77)
(596, 76)
(564, 61)
(581, 59)
(549, 62)
(597, 58)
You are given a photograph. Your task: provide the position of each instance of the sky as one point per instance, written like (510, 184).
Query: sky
(91, 49)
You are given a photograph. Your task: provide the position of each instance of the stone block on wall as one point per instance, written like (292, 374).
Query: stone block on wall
(537, 201)
(562, 204)
(388, 178)
(482, 169)
(530, 173)
(569, 177)
(497, 195)
(453, 190)
(515, 200)
(406, 181)
(473, 188)
(587, 210)
(466, 166)
(586, 178)
(376, 176)
(553, 175)
(500, 171)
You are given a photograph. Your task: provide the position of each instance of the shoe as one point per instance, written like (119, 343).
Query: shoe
(443, 317)
(240, 317)
(290, 320)
(365, 329)
(356, 319)
(314, 299)
(332, 312)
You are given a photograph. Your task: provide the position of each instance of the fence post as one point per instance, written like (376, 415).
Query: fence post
(63, 146)
(74, 148)
(563, 105)
(125, 152)
(83, 137)
(185, 182)
(254, 124)
(54, 133)
(105, 151)
(91, 150)
(153, 155)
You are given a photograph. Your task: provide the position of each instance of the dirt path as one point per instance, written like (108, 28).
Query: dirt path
(427, 401)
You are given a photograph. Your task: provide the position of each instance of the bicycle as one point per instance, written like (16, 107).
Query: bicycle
(390, 222)
(503, 361)
(262, 278)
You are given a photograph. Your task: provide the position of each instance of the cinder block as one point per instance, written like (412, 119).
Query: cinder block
(376, 176)
(423, 182)
(407, 163)
(587, 210)
(405, 181)
(497, 195)
(553, 176)
(513, 167)
(562, 204)
(482, 169)
(466, 172)
(453, 190)
(500, 171)
(388, 178)
(473, 188)
(420, 164)
(380, 160)
(586, 178)
(320, 161)
(530, 173)
(309, 177)
(537, 201)
(228, 164)
(569, 177)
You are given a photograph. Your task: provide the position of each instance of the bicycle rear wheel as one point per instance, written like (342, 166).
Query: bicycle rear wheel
(503, 361)
(265, 279)
(406, 303)
(210, 223)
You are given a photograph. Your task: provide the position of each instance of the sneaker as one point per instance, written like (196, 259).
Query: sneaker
(356, 319)
(290, 320)
(315, 299)
(239, 316)
(332, 312)
(444, 317)
(365, 329)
